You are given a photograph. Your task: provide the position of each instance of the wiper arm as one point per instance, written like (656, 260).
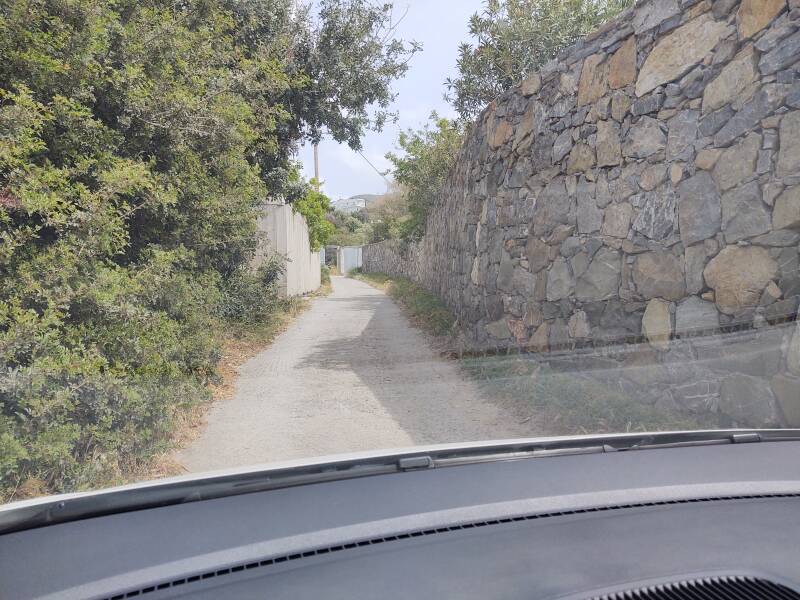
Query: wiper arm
(597, 444)
(61, 509)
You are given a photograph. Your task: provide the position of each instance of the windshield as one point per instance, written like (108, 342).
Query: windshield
(238, 232)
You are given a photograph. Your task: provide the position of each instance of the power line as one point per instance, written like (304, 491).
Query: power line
(375, 168)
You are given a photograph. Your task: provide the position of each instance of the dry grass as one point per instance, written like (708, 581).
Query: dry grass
(325, 287)
(572, 403)
(424, 309)
(564, 403)
(239, 344)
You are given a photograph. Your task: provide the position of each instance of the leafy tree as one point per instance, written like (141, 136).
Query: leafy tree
(514, 38)
(350, 57)
(314, 206)
(422, 169)
(137, 142)
(388, 214)
(349, 228)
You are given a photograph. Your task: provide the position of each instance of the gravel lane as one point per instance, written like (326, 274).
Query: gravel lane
(349, 374)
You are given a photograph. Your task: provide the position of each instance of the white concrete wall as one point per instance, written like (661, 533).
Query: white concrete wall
(287, 235)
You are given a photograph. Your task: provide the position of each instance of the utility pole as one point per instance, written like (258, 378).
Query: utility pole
(316, 165)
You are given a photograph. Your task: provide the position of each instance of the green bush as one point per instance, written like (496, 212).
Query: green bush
(137, 144)
(314, 207)
(421, 171)
(71, 431)
(250, 297)
(89, 393)
(349, 229)
(424, 307)
(514, 38)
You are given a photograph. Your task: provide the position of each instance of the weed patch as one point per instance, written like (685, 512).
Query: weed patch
(571, 403)
(564, 403)
(424, 309)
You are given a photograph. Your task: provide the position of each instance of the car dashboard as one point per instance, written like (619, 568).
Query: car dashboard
(706, 521)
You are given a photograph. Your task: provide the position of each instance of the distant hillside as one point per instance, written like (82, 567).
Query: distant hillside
(367, 197)
(354, 203)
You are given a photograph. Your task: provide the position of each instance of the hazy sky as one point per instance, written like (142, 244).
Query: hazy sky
(440, 25)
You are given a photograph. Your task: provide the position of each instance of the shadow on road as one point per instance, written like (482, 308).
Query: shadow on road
(427, 395)
(733, 379)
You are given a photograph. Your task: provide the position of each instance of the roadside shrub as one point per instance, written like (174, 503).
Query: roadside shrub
(72, 429)
(249, 296)
(422, 169)
(314, 207)
(325, 275)
(137, 144)
(89, 391)
(424, 307)
(512, 38)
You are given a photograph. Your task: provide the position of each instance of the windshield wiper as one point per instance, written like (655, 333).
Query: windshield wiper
(72, 507)
(610, 443)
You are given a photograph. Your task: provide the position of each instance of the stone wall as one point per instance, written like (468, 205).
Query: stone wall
(645, 186)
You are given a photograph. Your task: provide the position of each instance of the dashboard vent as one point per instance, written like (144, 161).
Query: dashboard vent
(709, 588)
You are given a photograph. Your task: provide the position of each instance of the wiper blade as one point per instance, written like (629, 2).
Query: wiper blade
(72, 507)
(610, 443)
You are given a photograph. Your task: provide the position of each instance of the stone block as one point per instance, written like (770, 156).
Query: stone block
(762, 104)
(581, 158)
(659, 275)
(782, 310)
(679, 51)
(560, 281)
(593, 83)
(683, 131)
(655, 213)
(648, 16)
(694, 315)
(738, 276)
(694, 262)
(786, 213)
(499, 330)
(601, 279)
(617, 220)
(734, 78)
(657, 323)
(644, 139)
(744, 215)
(499, 132)
(737, 163)
(699, 208)
(789, 154)
(622, 65)
(608, 148)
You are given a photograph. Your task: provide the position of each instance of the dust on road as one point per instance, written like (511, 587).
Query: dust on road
(350, 374)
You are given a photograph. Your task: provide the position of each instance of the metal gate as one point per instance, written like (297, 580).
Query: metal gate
(349, 258)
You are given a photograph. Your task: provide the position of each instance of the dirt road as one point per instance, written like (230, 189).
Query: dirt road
(349, 374)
